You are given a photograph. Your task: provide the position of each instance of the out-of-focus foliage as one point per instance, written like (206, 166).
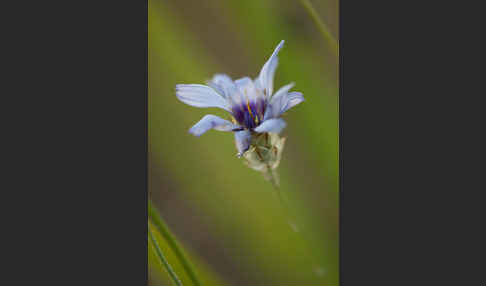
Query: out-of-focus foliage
(227, 217)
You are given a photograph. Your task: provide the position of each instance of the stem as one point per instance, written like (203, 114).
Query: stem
(164, 231)
(276, 185)
(283, 203)
(169, 269)
(292, 222)
(321, 26)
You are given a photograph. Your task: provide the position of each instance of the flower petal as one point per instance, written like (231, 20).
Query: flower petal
(268, 71)
(274, 125)
(245, 83)
(222, 84)
(277, 102)
(248, 90)
(283, 90)
(292, 99)
(211, 122)
(242, 141)
(199, 95)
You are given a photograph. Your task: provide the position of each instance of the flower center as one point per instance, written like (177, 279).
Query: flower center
(249, 114)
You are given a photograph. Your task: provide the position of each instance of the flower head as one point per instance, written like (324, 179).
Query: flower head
(254, 108)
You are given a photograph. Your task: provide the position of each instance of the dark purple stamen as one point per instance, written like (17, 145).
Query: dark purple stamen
(249, 123)
(249, 115)
(261, 109)
(238, 113)
(254, 110)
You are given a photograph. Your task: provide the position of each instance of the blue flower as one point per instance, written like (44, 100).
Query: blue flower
(253, 105)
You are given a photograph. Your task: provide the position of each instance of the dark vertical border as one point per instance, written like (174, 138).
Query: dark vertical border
(365, 254)
(403, 174)
(80, 76)
(146, 153)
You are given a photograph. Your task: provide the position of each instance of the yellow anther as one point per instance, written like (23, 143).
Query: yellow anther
(249, 109)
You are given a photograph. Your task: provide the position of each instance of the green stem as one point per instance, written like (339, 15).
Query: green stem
(275, 184)
(164, 231)
(321, 26)
(169, 269)
(291, 220)
(283, 202)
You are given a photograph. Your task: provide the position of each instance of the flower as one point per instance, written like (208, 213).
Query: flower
(254, 108)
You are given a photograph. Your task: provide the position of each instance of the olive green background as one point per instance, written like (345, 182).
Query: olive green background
(226, 216)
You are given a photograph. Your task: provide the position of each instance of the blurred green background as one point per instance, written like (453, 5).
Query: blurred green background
(226, 216)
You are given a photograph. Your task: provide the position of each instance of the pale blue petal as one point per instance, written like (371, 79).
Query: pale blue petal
(211, 122)
(268, 71)
(199, 95)
(293, 98)
(282, 102)
(283, 90)
(274, 125)
(247, 88)
(242, 141)
(277, 102)
(244, 82)
(271, 110)
(222, 83)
